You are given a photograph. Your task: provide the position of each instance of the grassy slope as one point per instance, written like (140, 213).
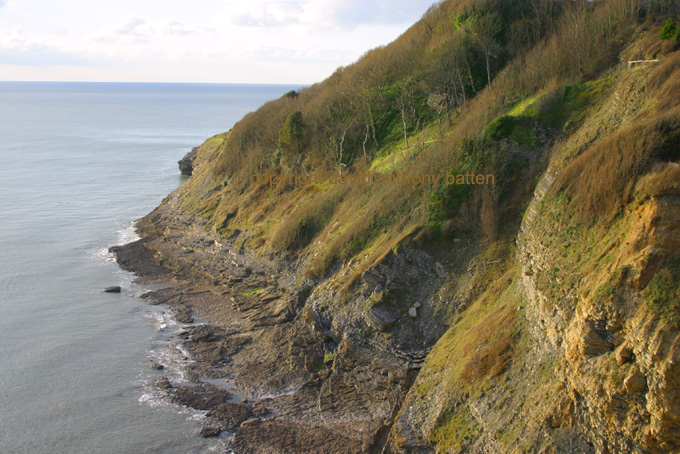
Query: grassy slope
(588, 237)
(548, 105)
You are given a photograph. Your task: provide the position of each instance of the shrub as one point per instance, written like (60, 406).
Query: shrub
(670, 30)
(291, 133)
(501, 127)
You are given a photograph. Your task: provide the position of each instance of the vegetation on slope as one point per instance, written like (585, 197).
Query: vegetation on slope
(616, 160)
(450, 95)
(494, 87)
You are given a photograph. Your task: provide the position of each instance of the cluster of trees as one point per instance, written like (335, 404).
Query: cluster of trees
(391, 93)
(455, 51)
(465, 63)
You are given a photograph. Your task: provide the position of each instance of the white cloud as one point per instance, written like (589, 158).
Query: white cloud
(322, 15)
(13, 38)
(17, 49)
(310, 54)
(134, 26)
(134, 30)
(270, 14)
(296, 41)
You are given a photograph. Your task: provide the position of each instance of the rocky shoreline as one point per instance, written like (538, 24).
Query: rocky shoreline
(539, 314)
(266, 368)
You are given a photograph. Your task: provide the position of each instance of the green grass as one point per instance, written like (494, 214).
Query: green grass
(215, 142)
(326, 358)
(454, 429)
(563, 107)
(608, 288)
(662, 294)
(568, 106)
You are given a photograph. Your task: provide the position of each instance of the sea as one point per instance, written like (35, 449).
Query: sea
(79, 163)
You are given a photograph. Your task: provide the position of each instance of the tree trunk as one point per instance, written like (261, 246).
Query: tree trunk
(363, 145)
(462, 87)
(472, 80)
(342, 142)
(448, 113)
(439, 120)
(488, 68)
(403, 119)
(373, 134)
(419, 138)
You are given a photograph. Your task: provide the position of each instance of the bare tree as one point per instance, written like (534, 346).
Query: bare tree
(438, 102)
(485, 30)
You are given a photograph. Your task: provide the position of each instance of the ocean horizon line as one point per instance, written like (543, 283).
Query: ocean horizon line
(251, 84)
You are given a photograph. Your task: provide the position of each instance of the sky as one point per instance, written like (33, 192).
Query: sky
(201, 41)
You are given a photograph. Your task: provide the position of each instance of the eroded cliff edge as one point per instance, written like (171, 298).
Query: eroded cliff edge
(307, 379)
(539, 314)
(575, 348)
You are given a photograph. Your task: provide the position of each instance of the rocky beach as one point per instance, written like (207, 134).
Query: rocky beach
(267, 366)
(535, 311)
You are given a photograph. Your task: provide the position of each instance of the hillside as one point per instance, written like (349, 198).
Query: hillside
(358, 308)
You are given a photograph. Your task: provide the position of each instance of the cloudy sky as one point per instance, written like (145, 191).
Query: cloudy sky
(224, 41)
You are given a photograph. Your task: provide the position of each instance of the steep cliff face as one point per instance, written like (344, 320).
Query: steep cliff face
(536, 314)
(592, 359)
(616, 338)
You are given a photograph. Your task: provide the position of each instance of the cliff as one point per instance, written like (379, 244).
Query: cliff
(536, 311)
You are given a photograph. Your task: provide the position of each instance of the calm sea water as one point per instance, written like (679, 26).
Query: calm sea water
(78, 163)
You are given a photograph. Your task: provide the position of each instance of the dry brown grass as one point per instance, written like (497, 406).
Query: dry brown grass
(370, 218)
(662, 180)
(488, 350)
(307, 220)
(365, 222)
(601, 180)
(666, 76)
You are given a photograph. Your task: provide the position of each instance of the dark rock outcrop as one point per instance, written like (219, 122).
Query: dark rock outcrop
(201, 397)
(230, 415)
(186, 164)
(138, 258)
(163, 383)
(380, 318)
(210, 431)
